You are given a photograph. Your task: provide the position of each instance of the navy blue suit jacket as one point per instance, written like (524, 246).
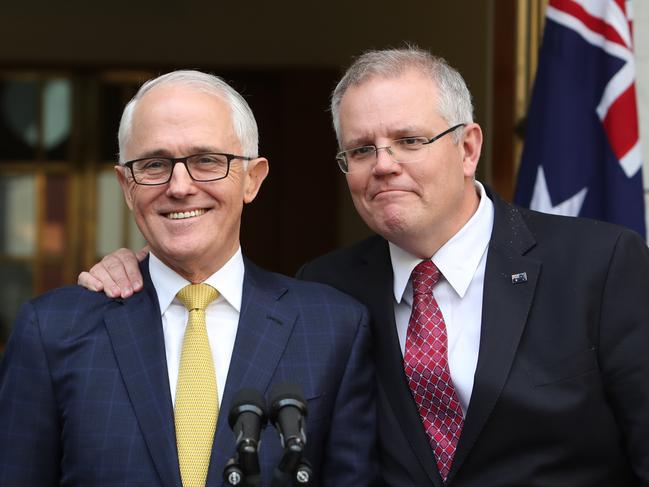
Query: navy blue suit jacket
(85, 399)
(561, 389)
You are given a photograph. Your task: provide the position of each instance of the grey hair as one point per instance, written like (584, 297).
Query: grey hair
(454, 104)
(243, 120)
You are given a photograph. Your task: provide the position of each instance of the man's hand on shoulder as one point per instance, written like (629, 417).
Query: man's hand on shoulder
(117, 274)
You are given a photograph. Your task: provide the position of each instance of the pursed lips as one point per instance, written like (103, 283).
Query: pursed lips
(388, 191)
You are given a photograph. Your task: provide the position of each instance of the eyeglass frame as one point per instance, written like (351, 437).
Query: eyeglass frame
(177, 160)
(342, 159)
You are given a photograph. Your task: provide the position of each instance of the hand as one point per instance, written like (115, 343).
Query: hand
(117, 274)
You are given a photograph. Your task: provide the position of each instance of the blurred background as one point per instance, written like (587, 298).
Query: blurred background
(68, 67)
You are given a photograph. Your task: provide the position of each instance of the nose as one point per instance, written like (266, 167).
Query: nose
(181, 183)
(385, 163)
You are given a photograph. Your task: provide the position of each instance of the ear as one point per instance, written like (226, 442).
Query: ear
(121, 172)
(255, 175)
(471, 148)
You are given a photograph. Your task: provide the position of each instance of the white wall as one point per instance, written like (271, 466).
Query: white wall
(641, 27)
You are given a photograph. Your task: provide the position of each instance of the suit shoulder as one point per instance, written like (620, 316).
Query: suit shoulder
(69, 298)
(64, 309)
(340, 263)
(530, 227)
(307, 292)
(314, 290)
(575, 230)
(350, 252)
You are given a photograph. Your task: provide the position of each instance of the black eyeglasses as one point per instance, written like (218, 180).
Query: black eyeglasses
(403, 150)
(209, 166)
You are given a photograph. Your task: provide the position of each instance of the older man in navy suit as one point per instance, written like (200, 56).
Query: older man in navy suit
(98, 391)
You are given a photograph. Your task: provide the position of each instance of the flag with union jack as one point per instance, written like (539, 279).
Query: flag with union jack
(582, 146)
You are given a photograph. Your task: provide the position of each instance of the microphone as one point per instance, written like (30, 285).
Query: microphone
(288, 414)
(247, 418)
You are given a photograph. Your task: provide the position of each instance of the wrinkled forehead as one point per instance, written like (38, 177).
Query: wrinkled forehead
(174, 117)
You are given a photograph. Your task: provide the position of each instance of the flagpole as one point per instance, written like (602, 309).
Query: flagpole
(641, 38)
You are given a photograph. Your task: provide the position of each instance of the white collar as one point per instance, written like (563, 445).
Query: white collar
(458, 258)
(228, 280)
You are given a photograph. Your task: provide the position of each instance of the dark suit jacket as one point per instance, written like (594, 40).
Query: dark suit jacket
(84, 389)
(561, 391)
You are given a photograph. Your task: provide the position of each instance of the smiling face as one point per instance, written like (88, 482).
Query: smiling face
(417, 206)
(192, 227)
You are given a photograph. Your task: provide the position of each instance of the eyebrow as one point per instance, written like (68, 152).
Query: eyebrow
(410, 131)
(167, 153)
(407, 131)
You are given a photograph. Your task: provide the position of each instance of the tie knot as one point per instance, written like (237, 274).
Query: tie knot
(197, 296)
(424, 277)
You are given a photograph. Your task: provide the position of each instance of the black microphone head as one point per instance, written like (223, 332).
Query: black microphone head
(286, 394)
(247, 400)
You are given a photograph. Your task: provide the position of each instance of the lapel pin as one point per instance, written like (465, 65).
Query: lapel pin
(520, 277)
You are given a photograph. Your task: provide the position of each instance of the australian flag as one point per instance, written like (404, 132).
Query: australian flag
(582, 145)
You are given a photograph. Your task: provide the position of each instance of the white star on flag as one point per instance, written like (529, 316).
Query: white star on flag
(541, 198)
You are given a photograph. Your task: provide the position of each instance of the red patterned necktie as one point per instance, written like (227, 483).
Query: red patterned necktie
(426, 367)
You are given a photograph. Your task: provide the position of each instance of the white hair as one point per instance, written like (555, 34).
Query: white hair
(454, 103)
(243, 120)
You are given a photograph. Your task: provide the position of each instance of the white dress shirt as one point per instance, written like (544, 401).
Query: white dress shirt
(221, 316)
(461, 261)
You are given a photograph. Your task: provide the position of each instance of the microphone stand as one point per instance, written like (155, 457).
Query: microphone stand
(242, 470)
(293, 466)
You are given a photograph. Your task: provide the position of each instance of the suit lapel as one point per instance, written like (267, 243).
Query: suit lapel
(375, 279)
(265, 325)
(506, 306)
(135, 330)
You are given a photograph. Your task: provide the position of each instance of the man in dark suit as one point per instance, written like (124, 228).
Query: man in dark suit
(98, 391)
(509, 344)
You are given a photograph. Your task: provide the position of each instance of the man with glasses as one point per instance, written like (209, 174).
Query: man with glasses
(510, 345)
(99, 391)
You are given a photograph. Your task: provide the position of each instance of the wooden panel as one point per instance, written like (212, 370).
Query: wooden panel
(293, 218)
(503, 123)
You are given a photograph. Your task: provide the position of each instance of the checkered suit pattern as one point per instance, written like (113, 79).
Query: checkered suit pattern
(84, 390)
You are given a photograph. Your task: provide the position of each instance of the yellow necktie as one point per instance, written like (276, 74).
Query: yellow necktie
(197, 405)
